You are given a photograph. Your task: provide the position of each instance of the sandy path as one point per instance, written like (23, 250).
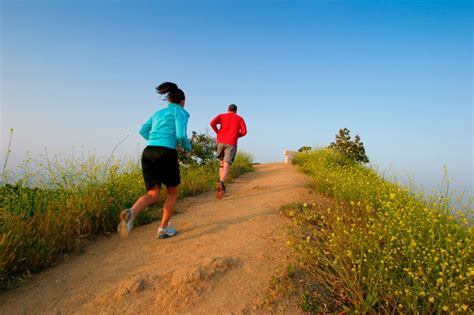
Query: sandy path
(221, 261)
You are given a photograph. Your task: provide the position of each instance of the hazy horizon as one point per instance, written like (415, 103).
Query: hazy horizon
(398, 74)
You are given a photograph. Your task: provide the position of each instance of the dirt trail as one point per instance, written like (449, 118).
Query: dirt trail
(221, 261)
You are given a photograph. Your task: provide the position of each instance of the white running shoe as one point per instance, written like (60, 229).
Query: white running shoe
(126, 223)
(165, 233)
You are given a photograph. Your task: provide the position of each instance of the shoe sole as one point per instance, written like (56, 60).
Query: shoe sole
(163, 236)
(122, 228)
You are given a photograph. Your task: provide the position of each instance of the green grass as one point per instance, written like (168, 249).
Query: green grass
(54, 204)
(378, 247)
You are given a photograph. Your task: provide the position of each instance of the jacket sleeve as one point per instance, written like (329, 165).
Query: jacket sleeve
(242, 128)
(215, 122)
(145, 129)
(181, 132)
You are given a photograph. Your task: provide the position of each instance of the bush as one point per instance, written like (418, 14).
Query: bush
(203, 152)
(241, 165)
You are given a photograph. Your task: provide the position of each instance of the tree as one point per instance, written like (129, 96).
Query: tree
(203, 150)
(304, 148)
(352, 149)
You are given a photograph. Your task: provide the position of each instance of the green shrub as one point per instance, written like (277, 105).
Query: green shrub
(241, 165)
(203, 152)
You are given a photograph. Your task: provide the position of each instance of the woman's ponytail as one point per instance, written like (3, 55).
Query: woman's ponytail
(172, 92)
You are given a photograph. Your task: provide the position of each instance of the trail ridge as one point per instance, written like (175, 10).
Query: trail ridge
(222, 260)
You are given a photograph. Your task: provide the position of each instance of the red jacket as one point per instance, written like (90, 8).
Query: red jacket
(232, 127)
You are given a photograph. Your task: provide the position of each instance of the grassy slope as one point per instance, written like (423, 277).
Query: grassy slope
(380, 248)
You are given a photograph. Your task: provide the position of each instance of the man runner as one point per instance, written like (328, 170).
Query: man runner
(231, 128)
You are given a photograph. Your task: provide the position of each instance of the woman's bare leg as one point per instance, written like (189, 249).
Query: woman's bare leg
(168, 207)
(152, 196)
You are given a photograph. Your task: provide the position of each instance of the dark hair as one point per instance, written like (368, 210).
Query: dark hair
(172, 92)
(233, 108)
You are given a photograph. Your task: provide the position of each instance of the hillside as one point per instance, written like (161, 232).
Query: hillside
(222, 260)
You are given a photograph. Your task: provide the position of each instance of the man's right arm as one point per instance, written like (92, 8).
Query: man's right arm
(216, 121)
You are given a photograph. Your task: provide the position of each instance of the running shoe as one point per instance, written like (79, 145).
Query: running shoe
(223, 188)
(166, 232)
(126, 223)
(220, 189)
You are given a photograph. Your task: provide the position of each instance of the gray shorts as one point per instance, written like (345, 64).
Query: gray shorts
(226, 152)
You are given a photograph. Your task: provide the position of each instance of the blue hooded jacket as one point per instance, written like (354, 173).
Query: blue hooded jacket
(167, 128)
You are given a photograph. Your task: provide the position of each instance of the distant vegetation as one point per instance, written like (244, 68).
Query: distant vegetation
(351, 149)
(56, 202)
(376, 247)
(304, 149)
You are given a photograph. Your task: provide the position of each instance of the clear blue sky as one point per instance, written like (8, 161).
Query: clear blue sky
(398, 73)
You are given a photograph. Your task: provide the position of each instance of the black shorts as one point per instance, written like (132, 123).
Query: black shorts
(160, 166)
